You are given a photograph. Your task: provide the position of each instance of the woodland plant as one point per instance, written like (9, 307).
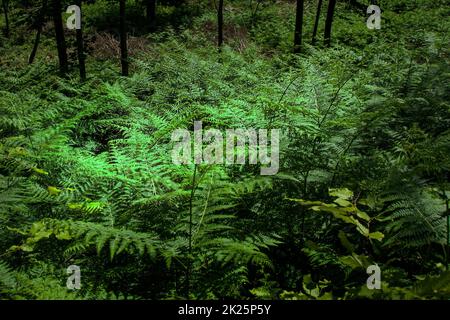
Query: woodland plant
(87, 178)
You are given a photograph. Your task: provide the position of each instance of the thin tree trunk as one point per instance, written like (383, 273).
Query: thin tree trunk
(40, 24)
(329, 22)
(59, 33)
(123, 40)
(5, 12)
(35, 46)
(220, 24)
(151, 13)
(316, 22)
(298, 26)
(80, 47)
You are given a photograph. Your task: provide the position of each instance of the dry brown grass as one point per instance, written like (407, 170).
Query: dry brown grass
(106, 46)
(234, 36)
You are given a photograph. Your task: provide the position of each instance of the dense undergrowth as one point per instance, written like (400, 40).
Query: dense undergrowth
(86, 176)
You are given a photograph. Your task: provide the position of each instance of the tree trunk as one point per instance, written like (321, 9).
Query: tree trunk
(151, 13)
(298, 26)
(59, 33)
(5, 12)
(123, 40)
(329, 22)
(220, 24)
(40, 24)
(316, 22)
(80, 47)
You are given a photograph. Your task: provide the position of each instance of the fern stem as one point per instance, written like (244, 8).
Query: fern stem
(448, 234)
(204, 211)
(189, 265)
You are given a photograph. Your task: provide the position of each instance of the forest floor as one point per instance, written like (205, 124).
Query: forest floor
(87, 176)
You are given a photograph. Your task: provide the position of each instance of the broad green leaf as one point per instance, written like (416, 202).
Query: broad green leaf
(362, 215)
(376, 235)
(362, 229)
(342, 193)
(343, 202)
(26, 248)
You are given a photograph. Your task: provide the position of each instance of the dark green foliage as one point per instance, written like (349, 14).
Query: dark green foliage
(87, 178)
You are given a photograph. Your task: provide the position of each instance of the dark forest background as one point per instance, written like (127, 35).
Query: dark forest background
(86, 176)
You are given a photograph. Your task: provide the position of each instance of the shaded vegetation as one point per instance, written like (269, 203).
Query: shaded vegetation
(87, 179)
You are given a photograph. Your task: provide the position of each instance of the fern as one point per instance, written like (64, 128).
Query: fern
(90, 234)
(415, 220)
